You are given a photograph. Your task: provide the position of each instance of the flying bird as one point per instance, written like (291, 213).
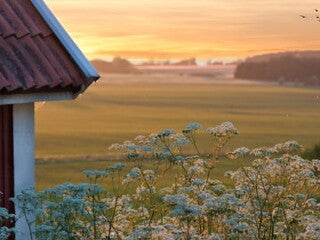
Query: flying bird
(303, 16)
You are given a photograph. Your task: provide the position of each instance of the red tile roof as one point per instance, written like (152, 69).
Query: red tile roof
(32, 57)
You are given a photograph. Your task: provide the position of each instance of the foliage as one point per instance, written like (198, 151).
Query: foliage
(313, 153)
(273, 198)
(5, 221)
(284, 68)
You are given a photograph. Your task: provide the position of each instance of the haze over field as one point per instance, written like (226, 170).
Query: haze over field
(173, 29)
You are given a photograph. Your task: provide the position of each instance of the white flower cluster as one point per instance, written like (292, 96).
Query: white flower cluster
(288, 147)
(239, 153)
(223, 130)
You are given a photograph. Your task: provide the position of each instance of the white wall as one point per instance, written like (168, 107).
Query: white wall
(23, 139)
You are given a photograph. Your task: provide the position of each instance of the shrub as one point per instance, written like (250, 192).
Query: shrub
(313, 153)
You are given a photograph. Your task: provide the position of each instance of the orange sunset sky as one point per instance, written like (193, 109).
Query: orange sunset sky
(176, 29)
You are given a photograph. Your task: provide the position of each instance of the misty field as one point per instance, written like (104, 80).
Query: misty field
(116, 109)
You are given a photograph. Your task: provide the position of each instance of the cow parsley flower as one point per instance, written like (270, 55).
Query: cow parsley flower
(175, 199)
(149, 174)
(239, 153)
(116, 167)
(222, 130)
(195, 170)
(165, 133)
(288, 147)
(95, 174)
(149, 149)
(191, 128)
(141, 139)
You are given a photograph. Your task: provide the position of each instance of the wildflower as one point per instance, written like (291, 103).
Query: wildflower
(175, 199)
(116, 146)
(194, 170)
(5, 232)
(180, 160)
(238, 153)
(316, 164)
(194, 126)
(312, 231)
(175, 136)
(132, 155)
(149, 174)
(135, 173)
(165, 133)
(164, 155)
(116, 167)
(260, 152)
(95, 174)
(202, 195)
(222, 130)
(215, 236)
(148, 149)
(311, 202)
(133, 147)
(153, 138)
(288, 147)
(141, 233)
(277, 189)
(141, 190)
(198, 182)
(300, 198)
(183, 190)
(191, 128)
(181, 141)
(241, 227)
(4, 215)
(201, 163)
(128, 143)
(213, 205)
(141, 139)
(219, 189)
(187, 210)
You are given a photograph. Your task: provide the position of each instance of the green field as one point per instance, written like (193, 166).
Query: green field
(50, 174)
(112, 112)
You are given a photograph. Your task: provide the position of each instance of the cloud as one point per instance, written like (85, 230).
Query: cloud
(165, 27)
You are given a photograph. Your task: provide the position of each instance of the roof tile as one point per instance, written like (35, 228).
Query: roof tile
(32, 59)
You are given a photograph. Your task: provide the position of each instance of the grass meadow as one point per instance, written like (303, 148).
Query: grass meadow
(114, 110)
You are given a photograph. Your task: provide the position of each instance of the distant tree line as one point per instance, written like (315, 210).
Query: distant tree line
(283, 69)
(117, 65)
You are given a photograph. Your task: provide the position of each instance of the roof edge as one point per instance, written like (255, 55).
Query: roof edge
(86, 67)
(35, 97)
